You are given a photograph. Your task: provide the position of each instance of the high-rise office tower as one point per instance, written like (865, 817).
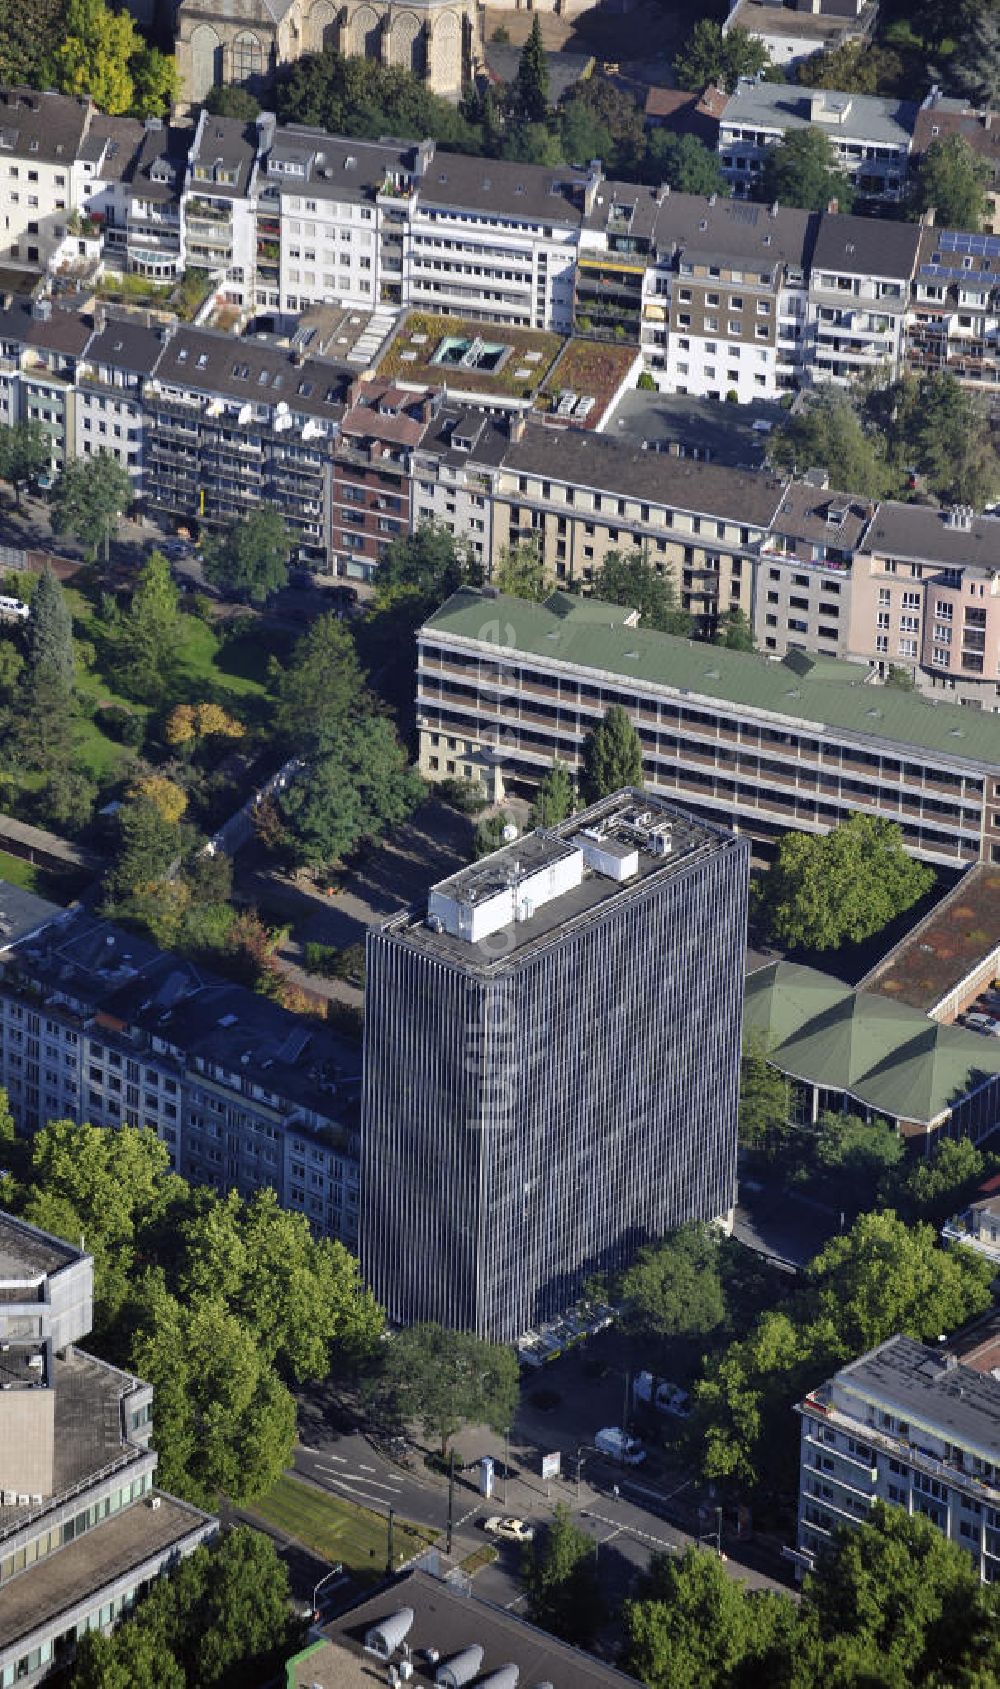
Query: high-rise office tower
(552, 1055)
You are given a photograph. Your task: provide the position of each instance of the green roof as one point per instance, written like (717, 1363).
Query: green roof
(588, 634)
(781, 998)
(883, 1053)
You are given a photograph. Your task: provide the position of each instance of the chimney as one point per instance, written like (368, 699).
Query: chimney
(833, 206)
(516, 427)
(100, 317)
(929, 217)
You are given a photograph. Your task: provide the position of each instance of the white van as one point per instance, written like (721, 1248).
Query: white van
(613, 1442)
(13, 607)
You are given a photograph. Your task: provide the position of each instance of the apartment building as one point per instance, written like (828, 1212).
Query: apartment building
(496, 240)
(330, 216)
(859, 295)
(41, 344)
(579, 496)
(926, 598)
(504, 688)
(217, 203)
(910, 1425)
(871, 136)
(725, 299)
(97, 1025)
(454, 469)
(235, 423)
(83, 1529)
(953, 322)
(805, 570)
(541, 1093)
(40, 139)
(793, 33)
(372, 475)
(117, 361)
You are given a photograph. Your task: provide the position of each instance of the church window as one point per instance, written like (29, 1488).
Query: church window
(248, 59)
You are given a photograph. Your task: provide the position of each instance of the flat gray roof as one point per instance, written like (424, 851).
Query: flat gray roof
(119, 1545)
(725, 432)
(931, 1390)
(690, 839)
(26, 1252)
(925, 535)
(783, 105)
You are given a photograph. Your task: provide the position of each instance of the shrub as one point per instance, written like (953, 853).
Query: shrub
(645, 383)
(126, 726)
(469, 796)
(321, 959)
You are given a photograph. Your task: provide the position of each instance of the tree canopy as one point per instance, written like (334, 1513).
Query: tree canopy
(707, 56)
(828, 433)
(530, 93)
(250, 560)
(25, 453)
(102, 55)
(629, 578)
(555, 798)
(612, 756)
(952, 179)
(89, 496)
(351, 793)
(842, 886)
(564, 1583)
(148, 635)
(319, 689)
(974, 67)
(446, 1379)
(803, 170)
(685, 164)
(674, 1288)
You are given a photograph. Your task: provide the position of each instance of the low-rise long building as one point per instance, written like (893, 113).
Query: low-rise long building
(83, 1529)
(505, 688)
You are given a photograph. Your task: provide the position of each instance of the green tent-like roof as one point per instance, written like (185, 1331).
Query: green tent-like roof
(925, 1079)
(780, 999)
(846, 1041)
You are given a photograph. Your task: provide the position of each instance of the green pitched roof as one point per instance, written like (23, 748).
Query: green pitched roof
(883, 1053)
(923, 1080)
(847, 1040)
(781, 998)
(590, 635)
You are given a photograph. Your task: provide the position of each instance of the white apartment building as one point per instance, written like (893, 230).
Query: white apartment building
(455, 469)
(120, 355)
(217, 206)
(40, 139)
(871, 136)
(859, 292)
(909, 1425)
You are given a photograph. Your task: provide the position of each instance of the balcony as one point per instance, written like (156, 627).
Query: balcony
(205, 210)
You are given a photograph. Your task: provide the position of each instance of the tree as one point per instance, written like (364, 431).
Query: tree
(165, 795)
(94, 56)
(489, 834)
(227, 99)
(629, 578)
(884, 1277)
(102, 1185)
(148, 844)
(857, 1159)
(694, 1625)
(940, 1184)
(735, 631)
(764, 1098)
(944, 430)
(708, 56)
(803, 170)
(49, 636)
(148, 635)
(674, 1288)
(446, 1379)
(221, 1618)
(828, 433)
(530, 93)
(320, 690)
(612, 756)
(250, 560)
(7, 1129)
(564, 1583)
(974, 67)
(843, 886)
(222, 1419)
(555, 798)
(855, 68)
(356, 96)
(952, 179)
(352, 793)
(25, 453)
(520, 571)
(301, 1297)
(685, 164)
(89, 496)
(422, 570)
(907, 1597)
(155, 82)
(607, 121)
(30, 32)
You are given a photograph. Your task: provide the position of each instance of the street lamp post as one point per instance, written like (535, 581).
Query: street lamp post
(334, 1572)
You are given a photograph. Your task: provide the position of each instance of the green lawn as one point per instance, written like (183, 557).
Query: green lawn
(337, 1529)
(234, 677)
(59, 888)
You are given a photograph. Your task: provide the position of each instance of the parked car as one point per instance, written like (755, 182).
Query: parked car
(662, 1394)
(617, 1445)
(983, 1023)
(511, 1530)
